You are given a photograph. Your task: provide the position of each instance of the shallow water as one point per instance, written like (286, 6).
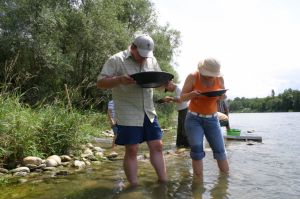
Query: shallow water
(262, 170)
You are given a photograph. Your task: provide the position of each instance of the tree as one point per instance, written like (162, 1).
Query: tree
(67, 42)
(272, 93)
(289, 100)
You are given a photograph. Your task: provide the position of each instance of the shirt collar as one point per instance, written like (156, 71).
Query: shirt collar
(128, 53)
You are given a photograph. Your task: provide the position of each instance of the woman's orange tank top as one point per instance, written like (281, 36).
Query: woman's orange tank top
(204, 105)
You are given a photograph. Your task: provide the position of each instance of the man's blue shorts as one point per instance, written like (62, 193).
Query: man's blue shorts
(136, 134)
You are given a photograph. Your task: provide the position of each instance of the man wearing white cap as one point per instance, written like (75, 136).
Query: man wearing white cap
(135, 114)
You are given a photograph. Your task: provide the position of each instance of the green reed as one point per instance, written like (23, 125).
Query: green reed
(43, 131)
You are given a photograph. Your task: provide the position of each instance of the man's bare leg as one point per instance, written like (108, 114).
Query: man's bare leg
(130, 163)
(157, 159)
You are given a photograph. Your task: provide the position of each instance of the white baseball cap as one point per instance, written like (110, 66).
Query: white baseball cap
(145, 45)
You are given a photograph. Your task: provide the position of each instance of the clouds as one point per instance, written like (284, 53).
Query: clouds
(256, 41)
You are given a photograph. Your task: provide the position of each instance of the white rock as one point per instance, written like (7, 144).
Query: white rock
(98, 154)
(79, 164)
(20, 169)
(88, 152)
(21, 173)
(56, 158)
(112, 155)
(88, 163)
(2, 170)
(32, 160)
(98, 149)
(51, 163)
(90, 145)
(49, 169)
(65, 158)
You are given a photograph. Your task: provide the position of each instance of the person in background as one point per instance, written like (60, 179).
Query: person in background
(112, 121)
(134, 107)
(182, 108)
(201, 119)
(223, 112)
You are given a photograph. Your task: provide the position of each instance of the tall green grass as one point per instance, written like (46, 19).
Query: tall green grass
(43, 131)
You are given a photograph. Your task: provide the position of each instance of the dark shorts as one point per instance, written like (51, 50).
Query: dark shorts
(136, 134)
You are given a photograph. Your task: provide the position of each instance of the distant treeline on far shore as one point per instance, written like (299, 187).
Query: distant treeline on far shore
(288, 101)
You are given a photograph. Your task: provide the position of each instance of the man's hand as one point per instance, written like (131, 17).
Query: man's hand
(110, 82)
(126, 79)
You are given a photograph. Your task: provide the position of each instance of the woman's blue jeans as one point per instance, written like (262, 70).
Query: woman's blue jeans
(196, 127)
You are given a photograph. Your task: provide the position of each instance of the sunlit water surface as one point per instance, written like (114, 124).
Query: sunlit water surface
(257, 170)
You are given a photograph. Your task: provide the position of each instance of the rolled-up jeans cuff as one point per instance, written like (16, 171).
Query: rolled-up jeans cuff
(197, 156)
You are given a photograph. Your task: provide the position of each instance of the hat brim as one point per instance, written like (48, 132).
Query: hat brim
(145, 53)
(209, 74)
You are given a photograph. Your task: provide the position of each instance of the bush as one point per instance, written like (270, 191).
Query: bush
(43, 131)
(58, 130)
(17, 130)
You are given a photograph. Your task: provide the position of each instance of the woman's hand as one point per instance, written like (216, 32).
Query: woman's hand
(196, 94)
(168, 99)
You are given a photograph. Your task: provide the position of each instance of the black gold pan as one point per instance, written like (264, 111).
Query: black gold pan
(215, 93)
(152, 79)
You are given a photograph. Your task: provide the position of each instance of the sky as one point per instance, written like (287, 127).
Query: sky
(257, 42)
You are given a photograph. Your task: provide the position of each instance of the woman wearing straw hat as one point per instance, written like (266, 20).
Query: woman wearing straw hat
(202, 119)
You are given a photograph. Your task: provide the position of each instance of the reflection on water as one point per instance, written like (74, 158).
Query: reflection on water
(219, 191)
(108, 181)
(262, 170)
(189, 188)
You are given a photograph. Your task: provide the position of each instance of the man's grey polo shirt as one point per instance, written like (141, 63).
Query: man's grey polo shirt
(131, 101)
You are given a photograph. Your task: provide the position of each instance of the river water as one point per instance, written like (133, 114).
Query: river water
(257, 170)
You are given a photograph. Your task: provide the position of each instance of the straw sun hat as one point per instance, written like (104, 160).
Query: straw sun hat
(209, 67)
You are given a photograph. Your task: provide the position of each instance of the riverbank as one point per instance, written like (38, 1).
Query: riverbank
(44, 131)
(49, 129)
(51, 140)
(57, 165)
(35, 170)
